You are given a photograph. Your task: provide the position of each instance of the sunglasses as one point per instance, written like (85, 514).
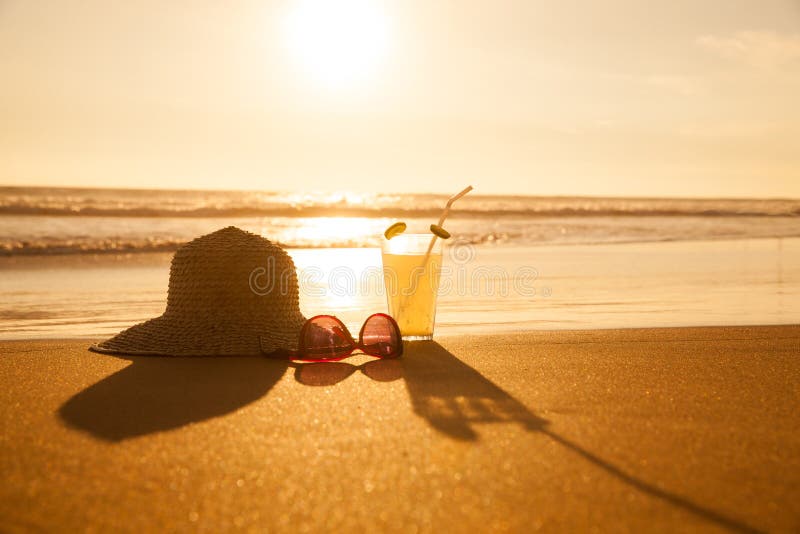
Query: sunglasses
(324, 338)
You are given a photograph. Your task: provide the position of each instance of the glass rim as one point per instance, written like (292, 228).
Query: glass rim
(411, 243)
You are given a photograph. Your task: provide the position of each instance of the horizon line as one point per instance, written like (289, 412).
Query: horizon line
(398, 193)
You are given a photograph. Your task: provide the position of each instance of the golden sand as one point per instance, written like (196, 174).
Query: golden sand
(623, 430)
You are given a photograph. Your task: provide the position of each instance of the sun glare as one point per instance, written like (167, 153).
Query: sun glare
(337, 44)
(326, 230)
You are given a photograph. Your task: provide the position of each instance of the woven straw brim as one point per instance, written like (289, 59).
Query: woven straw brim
(167, 336)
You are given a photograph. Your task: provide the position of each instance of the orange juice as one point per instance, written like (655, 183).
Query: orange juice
(411, 279)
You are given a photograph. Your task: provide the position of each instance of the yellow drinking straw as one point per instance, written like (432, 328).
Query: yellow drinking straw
(445, 213)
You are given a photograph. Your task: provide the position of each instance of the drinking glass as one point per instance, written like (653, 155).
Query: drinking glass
(411, 276)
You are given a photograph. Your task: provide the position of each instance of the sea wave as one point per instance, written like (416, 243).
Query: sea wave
(50, 221)
(556, 237)
(45, 248)
(231, 204)
(398, 212)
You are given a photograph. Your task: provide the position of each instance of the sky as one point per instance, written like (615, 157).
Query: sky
(615, 98)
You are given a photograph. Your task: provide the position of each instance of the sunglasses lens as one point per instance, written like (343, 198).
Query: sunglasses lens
(380, 337)
(326, 337)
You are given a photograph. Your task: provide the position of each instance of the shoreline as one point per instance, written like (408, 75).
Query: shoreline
(506, 334)
(485, 289)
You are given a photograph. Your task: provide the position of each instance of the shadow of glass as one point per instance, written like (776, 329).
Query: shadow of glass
(654, 491)
(330, 373)
(154, 394)
(452, 396)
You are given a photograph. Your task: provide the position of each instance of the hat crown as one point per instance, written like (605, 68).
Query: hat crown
(230, 293)
(231, 276)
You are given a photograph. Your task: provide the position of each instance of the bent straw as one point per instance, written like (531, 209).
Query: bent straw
(403, 296)
(445, 213)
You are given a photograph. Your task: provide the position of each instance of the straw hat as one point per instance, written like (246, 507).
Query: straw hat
(230, 293)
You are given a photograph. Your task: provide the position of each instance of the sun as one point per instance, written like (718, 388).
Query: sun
(339, 43)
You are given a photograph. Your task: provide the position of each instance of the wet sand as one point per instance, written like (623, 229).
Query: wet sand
(618, 430)
(485, 289)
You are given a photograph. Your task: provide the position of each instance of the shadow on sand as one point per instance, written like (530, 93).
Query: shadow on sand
(452, 396)
(330, 373)
(153, 394)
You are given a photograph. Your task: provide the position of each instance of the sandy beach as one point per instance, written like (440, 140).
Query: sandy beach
(617, 430)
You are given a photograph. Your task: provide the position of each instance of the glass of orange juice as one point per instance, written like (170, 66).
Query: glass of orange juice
(411, 276)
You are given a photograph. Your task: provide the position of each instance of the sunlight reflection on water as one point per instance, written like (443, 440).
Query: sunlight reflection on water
(578, 287)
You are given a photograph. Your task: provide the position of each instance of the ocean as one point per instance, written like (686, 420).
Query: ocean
(49, 221)
(90, 262)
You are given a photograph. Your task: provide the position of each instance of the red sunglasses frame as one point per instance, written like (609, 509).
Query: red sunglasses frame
(300, 353)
